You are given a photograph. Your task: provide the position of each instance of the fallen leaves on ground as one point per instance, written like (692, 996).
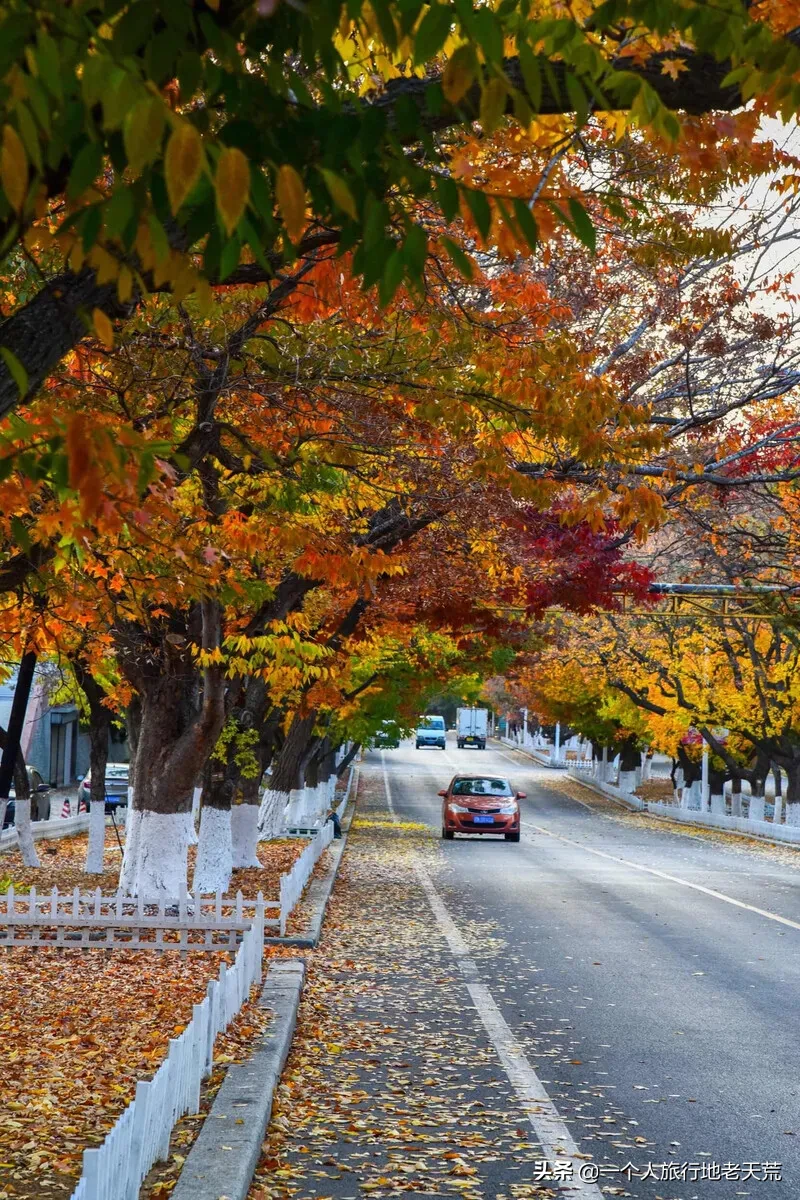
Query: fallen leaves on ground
(378, 1097)
(233, 1046)
(62, 862)
(78, 1030)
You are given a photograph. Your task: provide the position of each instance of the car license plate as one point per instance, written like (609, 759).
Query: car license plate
(484, 820)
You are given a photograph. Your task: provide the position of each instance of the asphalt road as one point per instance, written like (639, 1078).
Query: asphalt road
(661, 1020)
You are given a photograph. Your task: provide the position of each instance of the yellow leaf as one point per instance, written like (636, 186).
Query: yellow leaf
(459, 73)
(103, 327)
(291, 201)
(13, 168)
(493, 104)
(232, 186)
(182, 163)
(340, 192)
(142, 132)
(124, 285)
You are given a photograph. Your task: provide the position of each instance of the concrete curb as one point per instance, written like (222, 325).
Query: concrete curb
(223, 1160)
(319, 892)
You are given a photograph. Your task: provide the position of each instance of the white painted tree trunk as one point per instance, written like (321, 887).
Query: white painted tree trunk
(793, 814)
(270, 814)
(244, 835)
(778, 814)
(718, 804)
(604, 766)
(3, 807)
(22, 820)
(736, 804)
(627, 781)
(194, 814)
(154, 863)
(755, 811)
(295, 809)
(97, 837)
(214, 862)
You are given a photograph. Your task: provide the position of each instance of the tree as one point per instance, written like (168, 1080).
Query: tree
(152, 131)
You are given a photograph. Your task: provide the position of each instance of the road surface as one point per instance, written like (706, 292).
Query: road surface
(624, 993)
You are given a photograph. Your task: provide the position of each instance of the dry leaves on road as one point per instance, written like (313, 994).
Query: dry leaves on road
(787, 856)
(378, 1098)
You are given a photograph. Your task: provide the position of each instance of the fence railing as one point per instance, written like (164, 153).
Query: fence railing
(294, 882)
(92, 919)
(191, 922)
(56, 827)
(116, 1169)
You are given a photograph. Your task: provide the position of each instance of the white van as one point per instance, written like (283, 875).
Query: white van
(431, 731)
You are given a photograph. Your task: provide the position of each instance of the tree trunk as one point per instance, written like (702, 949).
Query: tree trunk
(629, 759)
(244, 826)
(792, 792)
(99, 729)
(716, 787)
(214, 862)
(176, 737)
(287, 783)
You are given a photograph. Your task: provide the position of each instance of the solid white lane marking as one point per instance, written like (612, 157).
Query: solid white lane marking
(697, 887)
(549, 1127)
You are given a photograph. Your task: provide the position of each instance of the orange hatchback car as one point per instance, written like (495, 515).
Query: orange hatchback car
(481, 804)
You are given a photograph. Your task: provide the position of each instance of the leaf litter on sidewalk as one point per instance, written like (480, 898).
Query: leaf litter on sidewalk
(391, 1086)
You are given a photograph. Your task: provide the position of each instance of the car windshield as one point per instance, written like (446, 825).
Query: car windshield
(431, 723)
(482, 787)
(117, 771)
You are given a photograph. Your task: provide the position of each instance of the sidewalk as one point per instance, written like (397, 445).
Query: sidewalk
(378, 1096)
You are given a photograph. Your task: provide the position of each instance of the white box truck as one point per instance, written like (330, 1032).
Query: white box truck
(471, 726)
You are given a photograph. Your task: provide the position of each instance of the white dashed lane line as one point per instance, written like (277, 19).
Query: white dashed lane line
(548, 1126)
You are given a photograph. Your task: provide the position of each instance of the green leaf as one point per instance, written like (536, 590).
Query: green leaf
(20, 534)
(85, 169)
(577, 97)
(527, 223)
(15, 370)
(532, 75)
(584, 228)
(480, 209)
(459, 257)
(432, 33)
(133, 28)
(391, 278)
(447, 194)
(488, 33)
(415, 249)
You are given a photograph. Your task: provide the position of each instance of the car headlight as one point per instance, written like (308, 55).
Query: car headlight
(457, 808)
(508, 808)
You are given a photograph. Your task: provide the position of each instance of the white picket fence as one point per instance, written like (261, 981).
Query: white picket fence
(116, 1169)
(294, 882)
(92, 919)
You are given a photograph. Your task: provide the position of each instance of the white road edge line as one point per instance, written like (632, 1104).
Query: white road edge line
(550, 1130)
(697, 887)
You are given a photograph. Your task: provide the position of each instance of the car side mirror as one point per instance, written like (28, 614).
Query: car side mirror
(521, 795)
(43, 787)
(442, 793)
